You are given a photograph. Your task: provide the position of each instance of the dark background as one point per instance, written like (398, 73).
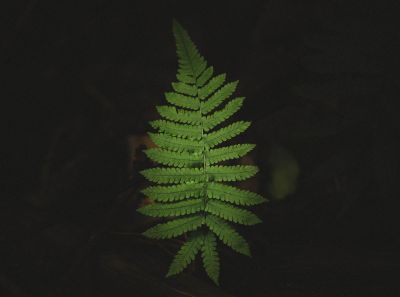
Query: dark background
(81, 80)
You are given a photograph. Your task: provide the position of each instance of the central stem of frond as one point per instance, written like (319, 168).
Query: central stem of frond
(204, 150)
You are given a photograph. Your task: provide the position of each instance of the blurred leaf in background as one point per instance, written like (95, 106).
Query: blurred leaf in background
(284, 171)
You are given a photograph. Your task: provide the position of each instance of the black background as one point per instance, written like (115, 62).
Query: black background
(80, 82)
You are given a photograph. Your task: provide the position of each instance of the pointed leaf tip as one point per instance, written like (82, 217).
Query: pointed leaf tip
(176, 25)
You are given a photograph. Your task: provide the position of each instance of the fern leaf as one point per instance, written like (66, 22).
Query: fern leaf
(181, 130)
(192, 190)
(233, 195)
(173, 175)
(170, 158)
(175, 143)
(228, 153)
(179, 115)
(190, 60)
(191, 68)
(228, 235)
(173, 209)
(186, 254)
(218, 97)
(232, 213)
(215, 83)
(226, 133)
(231, 173)
(175, 192)
(174, 228)
(182, 100)
(184, 89)
(219, 116)
(210, 257)
(205, 76)
(185, 78)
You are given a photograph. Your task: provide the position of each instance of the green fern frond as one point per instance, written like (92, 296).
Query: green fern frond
(181, 130)
(175, 192)
(233, 195)
(192, 193)
(182, 100)
(191, 63)
(173, 209)
(232, 213)
(217, 98)
(219, 116)
(228, 152)
(179, 115)
(228, 235)
(185, 78)
(185, 89)
(231, 173)
(210, 257)
(205, 76)
(186, 254)
(171, 158)
(175, 143)
(173, 175)
(174, 228)
(214, 84)
(226, 133)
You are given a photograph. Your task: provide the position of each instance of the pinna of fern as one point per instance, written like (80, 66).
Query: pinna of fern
(192, 190)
